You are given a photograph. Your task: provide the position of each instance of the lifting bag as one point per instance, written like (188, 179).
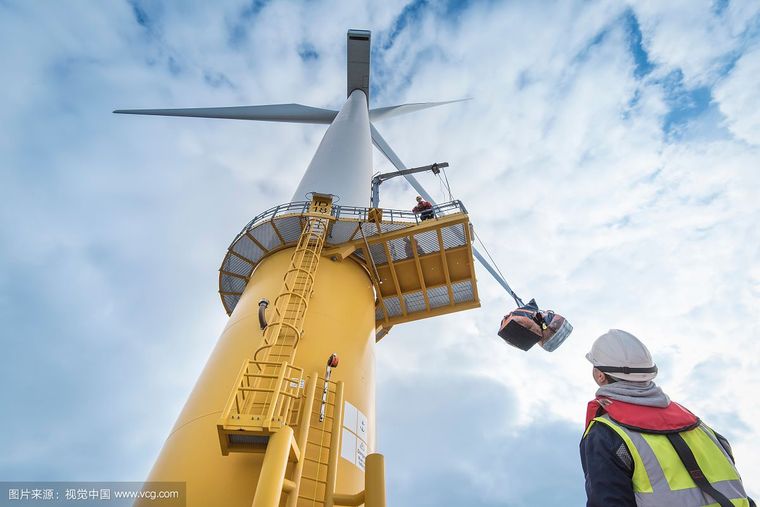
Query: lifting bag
(528, 325)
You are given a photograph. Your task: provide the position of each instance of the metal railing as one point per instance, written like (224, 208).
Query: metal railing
(264, 395)
(351, 213)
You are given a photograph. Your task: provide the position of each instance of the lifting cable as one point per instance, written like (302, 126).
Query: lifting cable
(509, 289)
(441, 182)
(493, 263)
(448, 187)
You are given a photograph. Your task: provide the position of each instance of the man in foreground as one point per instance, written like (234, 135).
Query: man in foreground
(641, 449)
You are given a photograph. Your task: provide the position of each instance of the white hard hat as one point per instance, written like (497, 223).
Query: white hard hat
(621, 355)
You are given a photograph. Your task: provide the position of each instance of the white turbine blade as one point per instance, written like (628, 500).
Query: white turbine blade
(381, 113)
(290, 113)
(386, 150)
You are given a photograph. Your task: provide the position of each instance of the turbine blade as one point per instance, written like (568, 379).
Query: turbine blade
(291, 113)
(496, 276)
(381, 113)
(386, 150)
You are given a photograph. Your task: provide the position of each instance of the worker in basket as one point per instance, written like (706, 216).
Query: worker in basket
(424, 208)
(640, 448)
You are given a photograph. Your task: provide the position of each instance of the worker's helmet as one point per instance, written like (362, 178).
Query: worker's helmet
(419, 198)
(621, 355)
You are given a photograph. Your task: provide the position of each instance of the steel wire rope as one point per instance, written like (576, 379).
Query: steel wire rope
(496, 266)
(512, 293)
(448, 187)
(441, 188)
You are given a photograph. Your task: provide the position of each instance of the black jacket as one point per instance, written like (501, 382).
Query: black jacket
(608, 468)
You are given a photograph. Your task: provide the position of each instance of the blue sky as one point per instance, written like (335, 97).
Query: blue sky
(609, 160)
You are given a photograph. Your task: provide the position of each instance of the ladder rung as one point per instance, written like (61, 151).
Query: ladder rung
(310, 499)
(286, 328)
(318, 448)
(315, 461)
(319, 444)
(313, 479)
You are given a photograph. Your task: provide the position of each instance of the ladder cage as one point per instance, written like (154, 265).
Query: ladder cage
(282, 335)
(266, 397)
(267, 393)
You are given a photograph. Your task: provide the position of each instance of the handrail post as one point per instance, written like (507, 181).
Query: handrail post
(303, 435)
(273, 468)
(276, 393)
(335, 442)
(374, 481)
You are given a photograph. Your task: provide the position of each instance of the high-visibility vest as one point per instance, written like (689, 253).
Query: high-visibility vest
(659, 476)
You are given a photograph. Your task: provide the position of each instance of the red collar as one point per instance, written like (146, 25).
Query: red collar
(670, 419)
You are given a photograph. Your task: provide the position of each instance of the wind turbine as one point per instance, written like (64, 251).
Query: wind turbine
(284, 408)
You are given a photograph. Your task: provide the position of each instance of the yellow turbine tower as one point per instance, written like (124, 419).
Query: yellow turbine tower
(283, 413)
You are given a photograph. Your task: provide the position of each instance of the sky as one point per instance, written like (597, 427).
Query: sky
(609, 160)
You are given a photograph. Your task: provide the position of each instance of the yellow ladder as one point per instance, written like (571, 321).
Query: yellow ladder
(316, 476)
(275, 410)
(281, 337)
(276, 354)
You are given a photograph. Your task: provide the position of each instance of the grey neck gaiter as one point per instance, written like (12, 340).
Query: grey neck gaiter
(638, 393)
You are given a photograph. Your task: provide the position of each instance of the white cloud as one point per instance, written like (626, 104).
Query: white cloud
(738, 95)
(694, 37)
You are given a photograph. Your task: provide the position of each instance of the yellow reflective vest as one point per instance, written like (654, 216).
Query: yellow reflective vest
(660, 478)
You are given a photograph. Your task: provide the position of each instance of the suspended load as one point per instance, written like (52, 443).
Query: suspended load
(528, 325)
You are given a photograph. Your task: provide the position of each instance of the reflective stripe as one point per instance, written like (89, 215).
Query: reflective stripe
(694, 496)
(652, 466)
(660, 479)
(640, 478)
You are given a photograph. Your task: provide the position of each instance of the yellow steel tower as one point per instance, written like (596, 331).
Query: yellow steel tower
(283, 412)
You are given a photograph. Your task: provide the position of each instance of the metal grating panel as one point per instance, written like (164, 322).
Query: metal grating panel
(401, 248)
(341, 232)
(378, 254)
(230, 301)
(290, 228)
(414, 302)
(255, 440)
(248, 249)
(427, 242)
(233, 284)
(392, 306)
(463, 292)
(438, 296)
(368, 228)
(388, 227)
(265, 235)
(453, 236)
(236, 265)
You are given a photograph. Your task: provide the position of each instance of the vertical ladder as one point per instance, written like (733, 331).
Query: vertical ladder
(282, 335)
(270, 398)
(317, 477)
(285, 330)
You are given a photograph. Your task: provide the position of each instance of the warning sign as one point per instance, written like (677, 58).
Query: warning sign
(355, 430)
